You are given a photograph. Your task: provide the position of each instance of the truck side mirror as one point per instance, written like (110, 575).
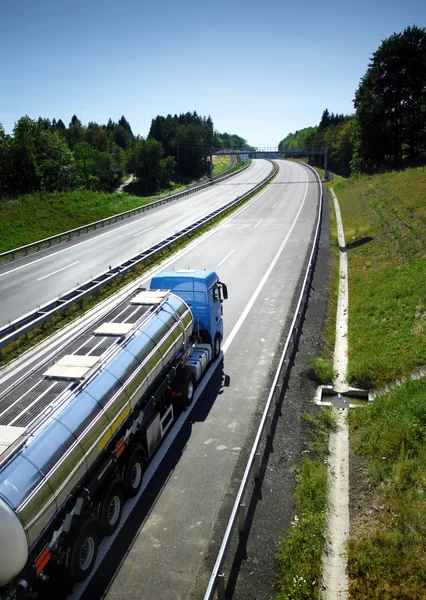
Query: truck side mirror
(224, 291)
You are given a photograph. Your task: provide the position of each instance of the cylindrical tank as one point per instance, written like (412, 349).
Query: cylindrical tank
(13, 544)
(59, 454)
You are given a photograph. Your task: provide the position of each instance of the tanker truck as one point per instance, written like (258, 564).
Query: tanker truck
(76, 436)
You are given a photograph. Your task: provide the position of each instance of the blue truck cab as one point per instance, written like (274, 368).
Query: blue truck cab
(203, 293)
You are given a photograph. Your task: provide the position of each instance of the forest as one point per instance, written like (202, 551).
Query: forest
(46, 155)
(388, 129)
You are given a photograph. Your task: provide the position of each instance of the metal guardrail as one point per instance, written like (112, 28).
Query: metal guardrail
(67, 235)
(238, 514)
(33, 319)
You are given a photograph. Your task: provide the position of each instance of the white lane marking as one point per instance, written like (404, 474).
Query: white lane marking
(283, 193)
(252, 300)
(227, 256)
(275, 204)
(144, 231)
(59, 270)
(258, 223)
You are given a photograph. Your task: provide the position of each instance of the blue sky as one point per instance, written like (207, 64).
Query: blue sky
(260, 69)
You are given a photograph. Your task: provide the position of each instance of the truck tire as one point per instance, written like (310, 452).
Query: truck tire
(188, 389)
(133, 472)
(83, 547)
(216, 347)
(111, 507)
(185, 387)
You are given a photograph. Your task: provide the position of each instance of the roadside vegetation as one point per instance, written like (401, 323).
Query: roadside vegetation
(384, 218)
(45, 155)
(220, 163)
(386, 552)
(38, 215)
(299, 556)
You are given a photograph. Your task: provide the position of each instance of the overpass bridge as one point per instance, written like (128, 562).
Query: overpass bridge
(272, 152)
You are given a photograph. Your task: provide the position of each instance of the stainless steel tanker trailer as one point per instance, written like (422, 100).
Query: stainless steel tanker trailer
(75, 442)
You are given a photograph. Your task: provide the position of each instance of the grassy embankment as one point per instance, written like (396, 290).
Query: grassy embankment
(220, 163)
(385, 227)
(39, 215)
(36, 216)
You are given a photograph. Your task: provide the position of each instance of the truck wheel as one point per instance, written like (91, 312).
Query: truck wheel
(216, 348)
(111, 507)
(83, 547)
(185, 387)
(188, 389)
(133, 472)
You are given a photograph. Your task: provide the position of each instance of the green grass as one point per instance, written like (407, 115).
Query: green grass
(299, 554)
(384, 218)
(220, 163)
(386, 553)
(32, 217)
(322, 369)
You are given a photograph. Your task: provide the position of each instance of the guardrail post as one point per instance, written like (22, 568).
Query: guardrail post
(269, 425)
(242, 518)
(221, 586)
(285, 367)
(277, 394)
(256, 469)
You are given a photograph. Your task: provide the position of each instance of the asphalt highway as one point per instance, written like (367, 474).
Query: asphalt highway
(27, 283)
(259, 252)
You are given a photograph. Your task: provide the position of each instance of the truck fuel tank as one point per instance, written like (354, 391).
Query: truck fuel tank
(200, 357)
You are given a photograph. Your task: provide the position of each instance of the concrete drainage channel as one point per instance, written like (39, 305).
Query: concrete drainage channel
(334, 560)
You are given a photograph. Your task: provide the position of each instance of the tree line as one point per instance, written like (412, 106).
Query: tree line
(388, 129)
(46, 155)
